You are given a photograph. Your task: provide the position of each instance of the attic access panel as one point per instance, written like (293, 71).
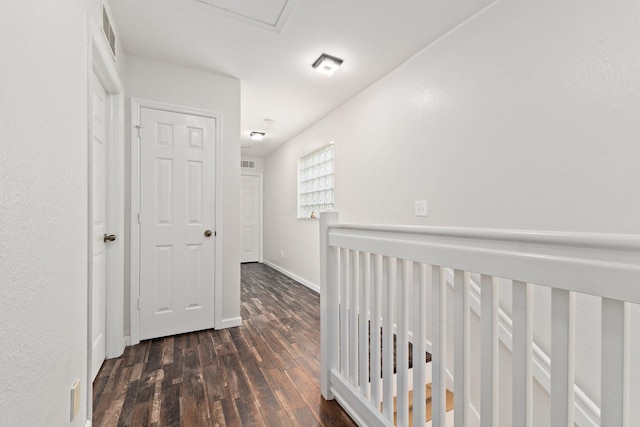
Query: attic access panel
(271, 14)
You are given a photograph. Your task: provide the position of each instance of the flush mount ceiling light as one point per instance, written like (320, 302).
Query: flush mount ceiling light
(327, 64)
(257, 136)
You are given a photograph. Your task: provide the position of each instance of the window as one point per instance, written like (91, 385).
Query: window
(315, 183)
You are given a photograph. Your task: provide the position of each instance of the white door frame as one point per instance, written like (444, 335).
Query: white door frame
(261, 210)
(136, 105)
(101, 62)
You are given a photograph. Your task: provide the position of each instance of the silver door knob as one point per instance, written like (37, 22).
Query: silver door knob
(207, 233)
(109, 237)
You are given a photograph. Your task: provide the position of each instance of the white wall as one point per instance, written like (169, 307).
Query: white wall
(158, 81)
(43, 210)
(525, 117)
(498, 124)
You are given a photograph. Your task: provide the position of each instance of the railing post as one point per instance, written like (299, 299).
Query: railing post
(522, 351)
(439, 348)
(461, 349)
(615, 363)
(329, 304)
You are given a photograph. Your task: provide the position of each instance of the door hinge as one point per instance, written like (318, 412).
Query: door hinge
(139, 217)
(139, 306)
(139, 131)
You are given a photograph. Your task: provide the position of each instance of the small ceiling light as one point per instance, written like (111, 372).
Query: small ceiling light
(327, 64)
(257, 136)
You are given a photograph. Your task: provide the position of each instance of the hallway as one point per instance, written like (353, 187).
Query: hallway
(263, 373)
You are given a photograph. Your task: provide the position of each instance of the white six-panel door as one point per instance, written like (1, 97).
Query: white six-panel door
(250, 218)
(177, 217)
(99, 151)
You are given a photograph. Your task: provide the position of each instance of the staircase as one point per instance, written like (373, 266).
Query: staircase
(449, 405)
(419, 284)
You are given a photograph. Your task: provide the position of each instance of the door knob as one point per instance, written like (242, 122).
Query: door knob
(109, 237)
(207, 233)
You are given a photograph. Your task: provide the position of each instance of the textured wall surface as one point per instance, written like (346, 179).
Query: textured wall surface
(158, 81)
(43, 210)
(525, 116)
(498, 124)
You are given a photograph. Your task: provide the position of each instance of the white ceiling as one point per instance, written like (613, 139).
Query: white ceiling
(270, 45)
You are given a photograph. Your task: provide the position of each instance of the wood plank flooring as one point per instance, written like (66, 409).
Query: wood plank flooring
(263, 373)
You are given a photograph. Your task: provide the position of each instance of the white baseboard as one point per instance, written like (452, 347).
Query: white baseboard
(298, 279)
(127, 340)
(87, 423)
(231, 322)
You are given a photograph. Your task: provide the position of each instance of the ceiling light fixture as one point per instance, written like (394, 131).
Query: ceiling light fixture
(257, 136)
(327, 64)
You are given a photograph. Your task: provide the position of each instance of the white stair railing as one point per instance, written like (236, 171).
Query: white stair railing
(374, 283)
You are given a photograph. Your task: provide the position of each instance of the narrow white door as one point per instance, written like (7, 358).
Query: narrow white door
(177, 218)
(99, 144)
(250, 218)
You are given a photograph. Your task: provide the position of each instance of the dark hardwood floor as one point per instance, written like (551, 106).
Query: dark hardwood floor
(263, 373)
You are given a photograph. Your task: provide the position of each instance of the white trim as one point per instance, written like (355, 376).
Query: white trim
(87, 423)
(136, 105)
(295, 277)
(100, 62)
(358, 408)
(261, 237)
(231, 322)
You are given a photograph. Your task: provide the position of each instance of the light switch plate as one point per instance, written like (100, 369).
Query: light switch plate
(75, 399)
(421, 208)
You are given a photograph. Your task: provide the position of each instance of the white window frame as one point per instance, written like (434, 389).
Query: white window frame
(316, 182)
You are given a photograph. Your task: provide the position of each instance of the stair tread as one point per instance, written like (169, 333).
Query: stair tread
(449, 405)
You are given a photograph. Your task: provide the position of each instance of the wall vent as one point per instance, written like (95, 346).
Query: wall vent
(107, 29)
(247, 164)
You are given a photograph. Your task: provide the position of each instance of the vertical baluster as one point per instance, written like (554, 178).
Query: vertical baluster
(420, 347)
(461, 351)
(615, 363)
(522, 354)
(363, 338)
(439, 351)
(376, 338)
(354, 266)
(489, 352)
(402, 345)
(387, 340)
(344, 312)
(562, 357)
(329, 304)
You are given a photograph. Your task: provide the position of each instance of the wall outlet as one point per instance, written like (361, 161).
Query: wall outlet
(75, 399)
(422, 208)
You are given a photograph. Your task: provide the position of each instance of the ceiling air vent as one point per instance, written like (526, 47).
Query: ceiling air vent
(247, 164)
(107, 29)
